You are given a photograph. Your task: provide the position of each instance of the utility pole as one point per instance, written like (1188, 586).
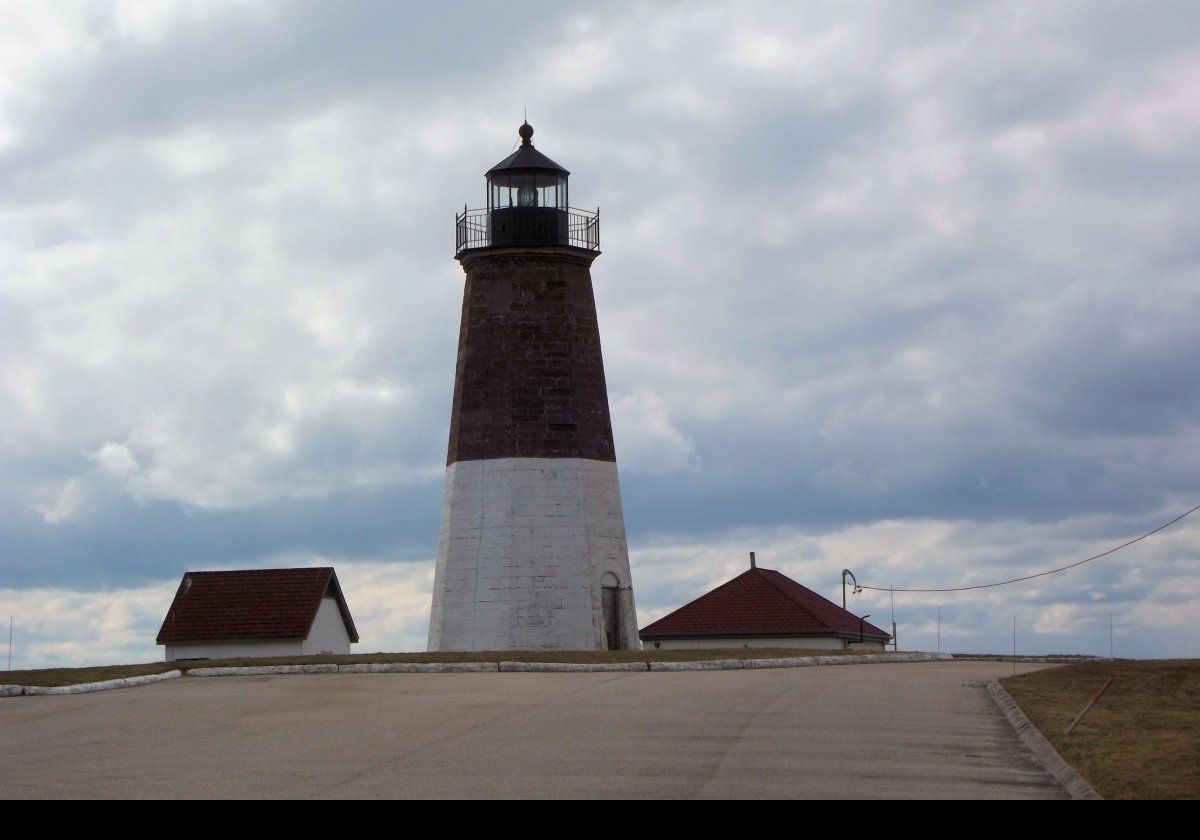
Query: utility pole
(10, 623)
(892, 597)
(939, 635)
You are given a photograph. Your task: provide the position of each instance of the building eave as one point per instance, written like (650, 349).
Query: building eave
(231, 640)
(774, 634)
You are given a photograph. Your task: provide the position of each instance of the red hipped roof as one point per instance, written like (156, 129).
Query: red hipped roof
(761, 602)
(251, 604)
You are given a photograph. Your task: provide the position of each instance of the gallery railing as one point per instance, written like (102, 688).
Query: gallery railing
(520, 226)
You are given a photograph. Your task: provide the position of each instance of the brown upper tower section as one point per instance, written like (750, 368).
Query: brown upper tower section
(529, 381)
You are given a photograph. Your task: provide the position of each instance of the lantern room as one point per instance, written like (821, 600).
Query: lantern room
(527, 178)
(527, 205)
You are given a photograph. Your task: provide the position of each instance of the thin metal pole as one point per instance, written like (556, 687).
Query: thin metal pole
(895, 641)
(939, 636)
(1014, 645)
(892, 596)
(1088, 707)
(10, 623)
(1110, 637)
(844, 645)
(895, 638)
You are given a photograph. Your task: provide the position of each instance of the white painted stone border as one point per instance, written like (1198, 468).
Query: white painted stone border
(86, 688)
(353, 668)
(799, 661)
(1040, 660)
(700, 665)
(483, 667)
(1043, 751)
(262, 670)
(419, 668)
(572, 667)
(566, 667)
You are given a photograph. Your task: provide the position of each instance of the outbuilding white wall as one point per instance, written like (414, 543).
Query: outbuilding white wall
(523, 547)
(799, 642)
(328, 633)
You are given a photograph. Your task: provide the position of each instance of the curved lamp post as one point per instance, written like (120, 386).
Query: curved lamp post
(857, 588)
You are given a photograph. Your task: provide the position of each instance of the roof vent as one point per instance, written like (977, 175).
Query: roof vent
(753, 565)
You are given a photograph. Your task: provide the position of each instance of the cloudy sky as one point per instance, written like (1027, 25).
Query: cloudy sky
(909, 288)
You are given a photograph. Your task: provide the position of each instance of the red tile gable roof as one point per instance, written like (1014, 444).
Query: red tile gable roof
(760, 602)
(251, 604)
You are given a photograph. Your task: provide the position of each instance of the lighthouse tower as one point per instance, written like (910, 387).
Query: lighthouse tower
(531, 553)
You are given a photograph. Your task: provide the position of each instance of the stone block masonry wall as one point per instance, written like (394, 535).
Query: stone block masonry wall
(523, 546)
(529, 381)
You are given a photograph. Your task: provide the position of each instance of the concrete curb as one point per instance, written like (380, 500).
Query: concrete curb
(86, 688)
(782, 662)
(799, 661)
(1039, 660)
(484, 667)
(1043, 751)
(262, 670)
(355, 668)
(419, 668)
(700, 665)
(564, 667)
(571, 667)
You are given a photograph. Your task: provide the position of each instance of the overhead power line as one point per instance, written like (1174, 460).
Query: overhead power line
(1039, 574)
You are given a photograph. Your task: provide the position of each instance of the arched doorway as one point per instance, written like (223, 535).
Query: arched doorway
(610, 603)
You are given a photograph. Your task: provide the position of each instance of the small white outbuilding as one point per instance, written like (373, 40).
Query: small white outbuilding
(257, 612)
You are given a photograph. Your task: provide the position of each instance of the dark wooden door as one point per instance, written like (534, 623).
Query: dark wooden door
(611, 604)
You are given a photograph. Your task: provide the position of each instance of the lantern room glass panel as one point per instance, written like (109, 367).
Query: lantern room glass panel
(527, 190)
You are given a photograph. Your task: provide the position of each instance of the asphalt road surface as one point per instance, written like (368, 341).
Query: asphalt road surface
(899, 731)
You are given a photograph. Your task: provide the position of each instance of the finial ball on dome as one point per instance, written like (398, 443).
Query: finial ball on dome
(526, 131)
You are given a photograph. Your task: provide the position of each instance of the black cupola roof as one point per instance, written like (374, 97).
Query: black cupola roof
(527, 158)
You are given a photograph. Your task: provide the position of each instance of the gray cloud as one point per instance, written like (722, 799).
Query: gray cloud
(930, 264)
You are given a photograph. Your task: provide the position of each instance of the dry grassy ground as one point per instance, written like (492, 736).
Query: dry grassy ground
(71, 676)
(1140, 741)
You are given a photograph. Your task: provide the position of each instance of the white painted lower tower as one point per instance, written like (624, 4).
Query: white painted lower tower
(532, 556)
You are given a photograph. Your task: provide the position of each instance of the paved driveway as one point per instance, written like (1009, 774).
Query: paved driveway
(905, 731)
